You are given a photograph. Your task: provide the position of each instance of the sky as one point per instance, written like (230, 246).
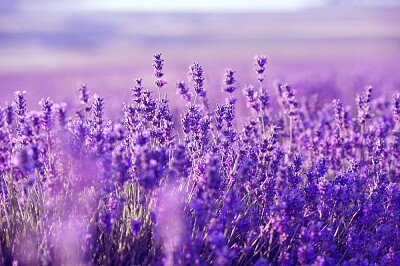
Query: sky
(200, 5)
(184, 5)
(166, 5)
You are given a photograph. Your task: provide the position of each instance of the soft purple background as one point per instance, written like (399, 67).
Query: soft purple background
(334, 50)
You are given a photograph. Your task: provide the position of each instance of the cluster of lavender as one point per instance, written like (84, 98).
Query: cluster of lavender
(300, 184)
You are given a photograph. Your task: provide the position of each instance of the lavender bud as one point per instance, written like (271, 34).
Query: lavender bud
(264, 100)
(229, 81)
(47, 112)
(137, 91)
(158, 65)
(231, 100)
(131, 117)
(9, 113)
(98, 109)
(28, 158)
(158, 68)
(291, 103)
(213, 175)
(183, 90)
(35, 121)
(190, 119)
(181, 162)
(250, 93)
(364, 105)
(2, 118)
(396, 108)
(20, 108)
(339, 113)
(195, 75)
(84, 93)
(252, 97)
(150, 165)
(61, 114)
(160, 83)
(259, 66)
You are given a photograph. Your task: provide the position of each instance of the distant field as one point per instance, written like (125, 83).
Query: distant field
(47, 54)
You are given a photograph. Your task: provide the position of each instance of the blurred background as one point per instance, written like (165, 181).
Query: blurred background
(330, 47)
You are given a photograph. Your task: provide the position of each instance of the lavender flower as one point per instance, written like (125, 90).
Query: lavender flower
(158, 70)
(339, 114)
(213, 173)
(84, 93)
(259, 64)
(190, 119)
(28, 159)
(264, 100)
(47, 110)
(291, 103)
(229, 81)
(364, 102)
(96, 130)
(396, 108)
(20, 109)
(98, 109)
(150, 166)
(183, 90)
(137, 91)
(181, 162)
(158, 65)
(9, 114)
(61, 114)
(195, 75)
(252, 97)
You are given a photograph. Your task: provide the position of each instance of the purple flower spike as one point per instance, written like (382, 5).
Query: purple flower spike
(229, 81)
(47, 110)
(259, 64)
(137, 91)
(259, 67)
(84, 93)
(9, 113)
(195, 75)
(98, 109)
(160, 83)
(183, 90)
(290, 100)
(20, 109)
(339, 113)
(396, 107)
(61, 113)
(364, 103)
(158, 64)
(252, 97)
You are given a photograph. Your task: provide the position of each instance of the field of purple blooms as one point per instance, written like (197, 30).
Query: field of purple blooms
(299, 183)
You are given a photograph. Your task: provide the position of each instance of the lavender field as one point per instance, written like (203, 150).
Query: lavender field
(287, 158)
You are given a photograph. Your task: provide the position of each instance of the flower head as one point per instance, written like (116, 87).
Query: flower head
(229, 81)
(158, 64)
(195, 75)
(259, 64)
